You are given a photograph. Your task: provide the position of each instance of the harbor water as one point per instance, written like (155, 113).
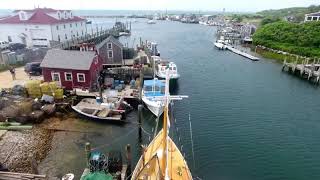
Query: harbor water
(249, 120)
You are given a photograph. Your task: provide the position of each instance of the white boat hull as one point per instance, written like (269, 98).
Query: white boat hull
(156, 107)
(163, 76)
(220, 45)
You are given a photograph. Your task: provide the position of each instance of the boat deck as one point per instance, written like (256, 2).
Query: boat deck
(151, 161)
(91, 108)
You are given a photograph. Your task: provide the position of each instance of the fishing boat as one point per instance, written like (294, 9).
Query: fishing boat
(151, 90)
(163, 66)
(106, 111)
(162, 159)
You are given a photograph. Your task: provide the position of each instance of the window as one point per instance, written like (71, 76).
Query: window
(64, 26)
(81, 23)
(110, 54)
(71, 25)
(65, 15)
(9, 39)
(57, 27)
(66, 37)
(55, 77)
(76, 24)
(109, 45)
(309, 18)
(81, 77)
(82, 32)
(59, 38)
(314, 18)
(77, 33)
(67, 76)
(59, 15)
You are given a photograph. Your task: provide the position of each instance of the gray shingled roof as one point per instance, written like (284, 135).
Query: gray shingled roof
(65, 59)
(112, 39)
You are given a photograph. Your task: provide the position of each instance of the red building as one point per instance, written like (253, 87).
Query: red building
(72, 69)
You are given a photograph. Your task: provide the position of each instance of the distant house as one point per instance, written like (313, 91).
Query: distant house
(312, 17)
(111, 51)
(72, 69)
(41, 27)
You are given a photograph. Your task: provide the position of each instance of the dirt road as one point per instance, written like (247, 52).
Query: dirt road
(21, 77)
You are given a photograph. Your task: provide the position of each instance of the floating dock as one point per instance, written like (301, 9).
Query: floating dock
(241, 53)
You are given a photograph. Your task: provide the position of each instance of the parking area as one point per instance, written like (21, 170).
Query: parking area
(21, 77)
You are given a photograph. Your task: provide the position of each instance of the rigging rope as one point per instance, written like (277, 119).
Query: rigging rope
(191, 142)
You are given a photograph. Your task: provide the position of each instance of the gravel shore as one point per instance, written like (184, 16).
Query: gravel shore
(16, 148)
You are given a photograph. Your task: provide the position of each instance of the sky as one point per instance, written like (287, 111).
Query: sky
(196, 5)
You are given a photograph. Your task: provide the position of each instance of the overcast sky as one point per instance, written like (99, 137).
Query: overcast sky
(210, 5)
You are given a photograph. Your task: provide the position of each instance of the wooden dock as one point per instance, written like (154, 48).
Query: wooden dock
(309, 71)
(241, 53)
(92, 38)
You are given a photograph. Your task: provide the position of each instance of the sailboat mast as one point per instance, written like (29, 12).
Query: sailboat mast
(165, 127)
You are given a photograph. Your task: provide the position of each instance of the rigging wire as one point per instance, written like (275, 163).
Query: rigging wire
(191, 142)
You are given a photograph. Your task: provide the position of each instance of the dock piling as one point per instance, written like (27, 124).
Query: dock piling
(88, 153)
(128, 154)
(140, 119)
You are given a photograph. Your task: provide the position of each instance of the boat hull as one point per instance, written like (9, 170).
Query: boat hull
(100, 119)
(154, 106)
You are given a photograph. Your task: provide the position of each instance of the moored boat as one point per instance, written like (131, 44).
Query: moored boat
(220, 45)
(151, 21)
(108, 111)
(151, 90)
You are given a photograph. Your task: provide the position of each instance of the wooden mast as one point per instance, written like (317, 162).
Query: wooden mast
(165, 127)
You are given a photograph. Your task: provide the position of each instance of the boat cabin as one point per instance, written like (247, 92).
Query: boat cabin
(163, 66)
(154, 87)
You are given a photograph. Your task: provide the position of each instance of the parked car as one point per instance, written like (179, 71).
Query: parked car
(16, 46)
(33, 68)
(4, 44)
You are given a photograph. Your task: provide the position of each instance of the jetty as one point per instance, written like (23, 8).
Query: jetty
(241, 53)
(309, 71)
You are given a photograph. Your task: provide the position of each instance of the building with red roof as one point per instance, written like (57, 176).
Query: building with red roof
(41, 27)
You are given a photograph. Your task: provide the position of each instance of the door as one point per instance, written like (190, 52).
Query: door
(56, 78)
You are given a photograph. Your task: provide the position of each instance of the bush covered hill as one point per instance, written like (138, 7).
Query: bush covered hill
(301, 39)
(297, 13)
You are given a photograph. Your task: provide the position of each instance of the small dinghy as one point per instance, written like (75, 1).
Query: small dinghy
(107, 111)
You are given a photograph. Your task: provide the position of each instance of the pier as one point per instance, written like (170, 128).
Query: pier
(309, 71)
(241, 53)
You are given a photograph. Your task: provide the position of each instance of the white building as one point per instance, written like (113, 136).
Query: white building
(312, 17)
(41, 27)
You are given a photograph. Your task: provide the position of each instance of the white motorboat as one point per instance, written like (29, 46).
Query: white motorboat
(151, 21)
(220, 44)
(162, 67)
